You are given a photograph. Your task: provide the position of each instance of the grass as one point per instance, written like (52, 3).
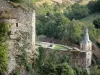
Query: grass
(56, 47)
(59, 47)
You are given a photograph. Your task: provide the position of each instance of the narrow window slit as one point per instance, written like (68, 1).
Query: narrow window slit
(16, 24)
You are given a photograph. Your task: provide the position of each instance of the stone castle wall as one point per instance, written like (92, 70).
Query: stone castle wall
(78, 59)
(22, 33)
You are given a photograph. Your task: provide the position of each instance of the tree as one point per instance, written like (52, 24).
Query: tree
(97, 6)
(61, 22)
(77, 11)
(64, 69)
(74, 31)
(94, 6)
(91, 6)
(52, 26)
(39, 27)
(96, 22)
(47, 64)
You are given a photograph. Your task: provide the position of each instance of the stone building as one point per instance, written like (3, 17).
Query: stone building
(82, 57)
(22, 31)
(77, 57)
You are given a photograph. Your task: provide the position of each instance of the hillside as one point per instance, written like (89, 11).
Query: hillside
(84, 2)
(89, 19)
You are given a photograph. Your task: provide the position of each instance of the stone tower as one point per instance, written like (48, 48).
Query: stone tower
(21, 32)
(86, 45)
(82, 57)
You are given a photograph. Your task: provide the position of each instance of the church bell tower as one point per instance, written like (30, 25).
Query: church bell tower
(86, 46)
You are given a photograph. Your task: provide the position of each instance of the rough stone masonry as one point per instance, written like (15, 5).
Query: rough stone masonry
(22, 32)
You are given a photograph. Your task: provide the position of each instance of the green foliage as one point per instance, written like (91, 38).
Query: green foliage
(41, 56)
(96, 22)
(80, 71)
(3, 58)
(60, 27)
(47, 69)
(98, 44)
(94, 6)
(52, 26)
(64, 58)
(64, 69)
(4, 27)
(92, 32)
(97, 6)
(47, 8)
(91, 6)
(48, 64)
(22, 59)
(16, 72)
(75, 31)
(76, 11)
(26, 4)
(95, 70)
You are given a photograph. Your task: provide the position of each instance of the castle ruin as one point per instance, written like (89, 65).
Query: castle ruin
(21, 33)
